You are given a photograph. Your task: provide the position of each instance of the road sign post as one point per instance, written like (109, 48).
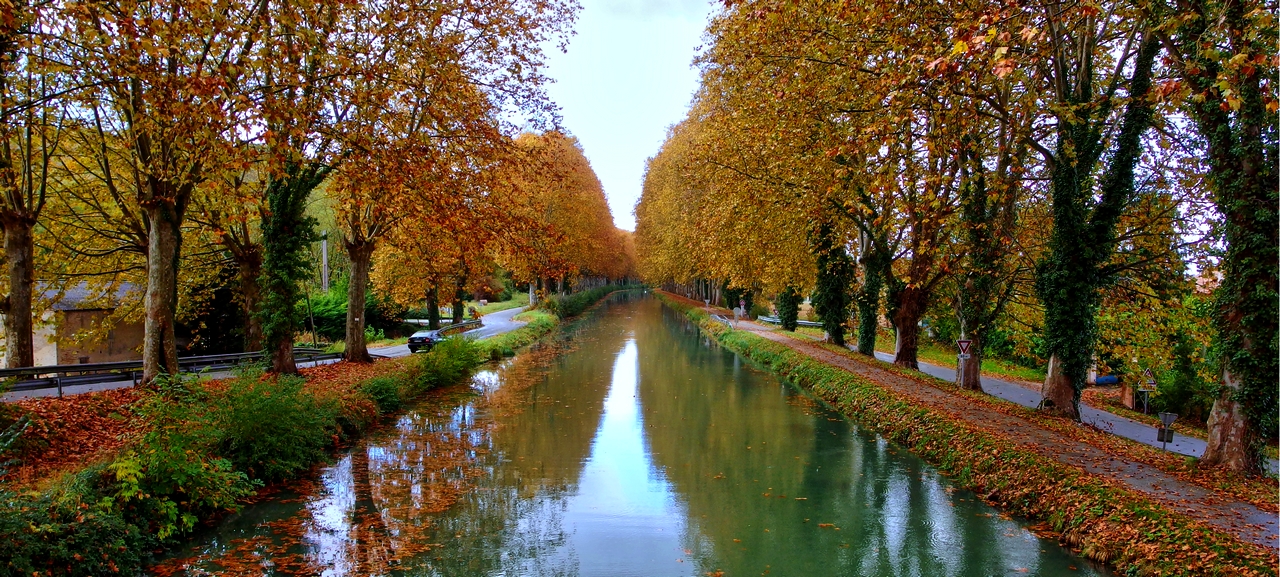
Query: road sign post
(1165, 434)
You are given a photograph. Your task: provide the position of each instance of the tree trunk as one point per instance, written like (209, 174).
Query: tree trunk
(164, 246)
(360, 254)
(868, 302)
(533, 298)
(433, 308)
(19, 251)
(969, 371)
(1230, 437)
(906, 321)
(1059, 396)
(250, 302)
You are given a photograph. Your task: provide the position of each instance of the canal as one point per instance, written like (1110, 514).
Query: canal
(630, 445)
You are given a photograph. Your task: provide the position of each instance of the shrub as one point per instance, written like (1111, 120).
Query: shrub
(271, 428)
(385, 392)
(572, 305)
(67, 533)
(788, 305)
(446, 363)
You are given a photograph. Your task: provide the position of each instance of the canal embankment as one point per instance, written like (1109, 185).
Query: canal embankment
(155, 464)
(1086, 499)
(629, 444)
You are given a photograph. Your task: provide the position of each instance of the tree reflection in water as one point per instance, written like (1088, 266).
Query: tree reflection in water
(634, 445)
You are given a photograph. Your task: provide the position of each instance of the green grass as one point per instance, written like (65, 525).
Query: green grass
(938, 354)
(1117, 525)
(518, 299)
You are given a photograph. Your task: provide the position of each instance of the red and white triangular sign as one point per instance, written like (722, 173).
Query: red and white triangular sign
(1147, 373)
(964, 346)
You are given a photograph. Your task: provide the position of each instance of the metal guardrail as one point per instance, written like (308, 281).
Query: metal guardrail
(777, 321)
(59, 376)
(726, 321)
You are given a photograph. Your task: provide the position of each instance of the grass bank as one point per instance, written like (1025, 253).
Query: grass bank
(203, 450)
(544, 318)
(1103, 520)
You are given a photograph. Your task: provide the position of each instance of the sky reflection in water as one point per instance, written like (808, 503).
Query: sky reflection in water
(644, 450)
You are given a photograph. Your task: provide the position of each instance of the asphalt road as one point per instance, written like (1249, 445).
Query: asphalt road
(494, 324)
(1111, 422)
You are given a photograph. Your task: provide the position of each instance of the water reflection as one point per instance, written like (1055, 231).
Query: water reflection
(645, 450)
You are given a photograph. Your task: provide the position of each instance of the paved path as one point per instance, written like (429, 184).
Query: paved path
(1244, 520)
(494, 324)
(1107, 421)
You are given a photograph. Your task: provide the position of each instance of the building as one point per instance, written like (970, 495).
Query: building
(79, 312)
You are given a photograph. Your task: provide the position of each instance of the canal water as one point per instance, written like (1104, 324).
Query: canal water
(632, 445)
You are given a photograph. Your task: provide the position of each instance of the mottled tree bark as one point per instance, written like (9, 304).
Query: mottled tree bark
(906, 322)
(19, 251)
(360, 255)
(164, 245)
(1060, 396)
(250, 301)
(969, 371)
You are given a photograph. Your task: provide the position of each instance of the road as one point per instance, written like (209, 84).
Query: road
(494, 324)
(1111, 422)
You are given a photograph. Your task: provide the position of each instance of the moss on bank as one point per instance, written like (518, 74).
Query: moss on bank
(1105, 521)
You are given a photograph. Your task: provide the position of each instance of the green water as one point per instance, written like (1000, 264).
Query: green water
(645, 449)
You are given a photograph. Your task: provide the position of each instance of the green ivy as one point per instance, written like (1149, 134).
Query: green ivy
(831, 298)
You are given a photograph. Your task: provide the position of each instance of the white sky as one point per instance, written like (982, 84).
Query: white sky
(627, 76)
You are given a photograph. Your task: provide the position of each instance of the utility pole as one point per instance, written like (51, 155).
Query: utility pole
(324, 262)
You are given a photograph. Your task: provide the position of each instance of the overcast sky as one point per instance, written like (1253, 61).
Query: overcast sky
(627, 76)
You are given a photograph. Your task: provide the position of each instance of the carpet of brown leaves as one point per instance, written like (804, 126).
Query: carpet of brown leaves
(71, 432)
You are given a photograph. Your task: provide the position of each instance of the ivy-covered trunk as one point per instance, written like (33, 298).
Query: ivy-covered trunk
(830, 296)
(789, 308)
(164, 245)
(1083, 236)
(287, 232)
(988, 221)
(874, 266)
(360, 253)
(19, 252)
(1242, 145)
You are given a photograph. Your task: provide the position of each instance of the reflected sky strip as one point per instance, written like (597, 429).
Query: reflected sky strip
(624, 519)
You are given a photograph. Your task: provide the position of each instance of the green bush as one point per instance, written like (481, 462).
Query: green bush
(385, 392)
(572, 305)
(271, 428)
(330, 313)
(68, 533)
(788, 305)
(448, 362)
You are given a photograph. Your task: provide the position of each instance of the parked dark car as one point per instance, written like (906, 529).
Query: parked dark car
(424, 340)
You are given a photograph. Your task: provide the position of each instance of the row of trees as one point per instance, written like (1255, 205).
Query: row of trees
(1013, 163)
(178, 145)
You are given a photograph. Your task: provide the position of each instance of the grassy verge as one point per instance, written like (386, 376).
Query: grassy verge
(537, 324)
(518, 299)
(936, 354)
(1104, 520)
(543, 319)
